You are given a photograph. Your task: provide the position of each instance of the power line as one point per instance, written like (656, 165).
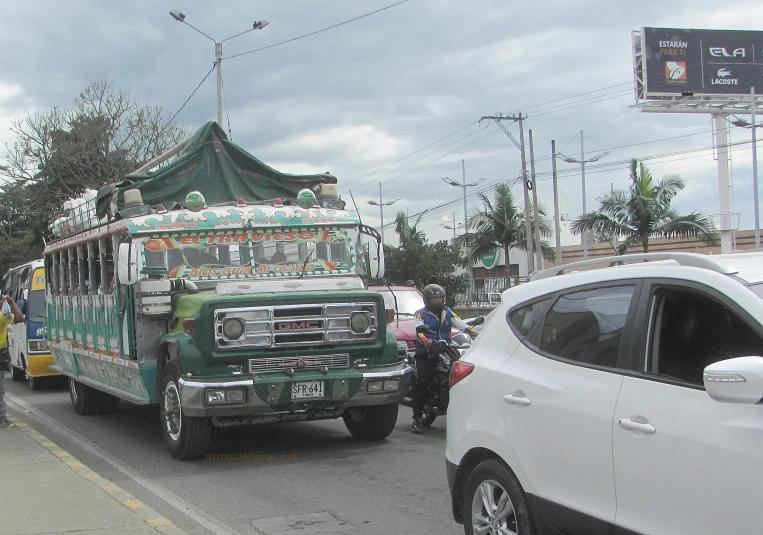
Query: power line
(317, 31)
(572, 172)
(194, 92)
(436, 159)
(411, 154)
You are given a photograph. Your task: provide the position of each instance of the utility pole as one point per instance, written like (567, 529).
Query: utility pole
(381, 206)
(582, 161)
(538, 251)
(556, 205)
(521, 146)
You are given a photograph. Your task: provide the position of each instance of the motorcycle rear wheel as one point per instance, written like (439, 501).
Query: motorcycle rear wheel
(428, 419)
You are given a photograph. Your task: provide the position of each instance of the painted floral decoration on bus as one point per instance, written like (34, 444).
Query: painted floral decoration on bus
(217, 255)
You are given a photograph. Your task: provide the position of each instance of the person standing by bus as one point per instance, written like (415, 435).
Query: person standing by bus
(16, 317)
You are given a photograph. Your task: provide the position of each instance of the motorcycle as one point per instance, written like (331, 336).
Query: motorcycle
(438, 393)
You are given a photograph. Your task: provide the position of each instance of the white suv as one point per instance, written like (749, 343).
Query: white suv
(619, 400)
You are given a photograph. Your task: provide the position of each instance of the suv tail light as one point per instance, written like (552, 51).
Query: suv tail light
(459, 371)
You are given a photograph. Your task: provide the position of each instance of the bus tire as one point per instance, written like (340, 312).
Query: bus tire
(35, 383)
(371, 423)
(186, 437)
(17, 374)
(84, 398)
(107, 403)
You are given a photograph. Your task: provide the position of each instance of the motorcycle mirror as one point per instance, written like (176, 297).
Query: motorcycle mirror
(422, 329)
(477, 321)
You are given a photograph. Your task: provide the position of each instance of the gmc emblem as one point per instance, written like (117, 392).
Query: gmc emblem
(297, 325)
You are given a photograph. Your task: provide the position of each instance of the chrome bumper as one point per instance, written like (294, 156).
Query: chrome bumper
(193, 394)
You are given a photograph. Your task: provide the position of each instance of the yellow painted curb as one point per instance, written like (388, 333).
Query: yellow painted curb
(149, 517)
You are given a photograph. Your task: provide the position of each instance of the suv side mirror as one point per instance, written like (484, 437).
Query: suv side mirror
(737, 380)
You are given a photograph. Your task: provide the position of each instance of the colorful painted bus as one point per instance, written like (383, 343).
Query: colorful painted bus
(235, 313)
(27, 341)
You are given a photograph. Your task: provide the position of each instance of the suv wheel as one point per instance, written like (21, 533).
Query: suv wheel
(494, 502)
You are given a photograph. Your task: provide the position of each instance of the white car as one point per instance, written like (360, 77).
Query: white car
(619, 400)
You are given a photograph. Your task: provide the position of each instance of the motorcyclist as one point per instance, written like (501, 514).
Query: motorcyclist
(437, 317)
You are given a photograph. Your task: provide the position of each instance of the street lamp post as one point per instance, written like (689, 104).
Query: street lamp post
(455, 226)
(582, 161)
(381, 206)
(257, 25)
(464, 185)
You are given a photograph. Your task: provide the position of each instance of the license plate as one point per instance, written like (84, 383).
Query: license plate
(307, 389)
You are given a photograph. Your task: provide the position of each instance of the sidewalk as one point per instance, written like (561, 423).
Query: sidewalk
(43, 489)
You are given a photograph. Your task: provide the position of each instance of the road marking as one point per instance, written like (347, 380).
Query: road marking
(175, 501)
(147, 515)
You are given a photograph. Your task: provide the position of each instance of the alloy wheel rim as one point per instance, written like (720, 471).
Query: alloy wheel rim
(492, 510)
(172, 411)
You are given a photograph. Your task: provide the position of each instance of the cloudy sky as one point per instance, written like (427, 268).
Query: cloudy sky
(394, 97)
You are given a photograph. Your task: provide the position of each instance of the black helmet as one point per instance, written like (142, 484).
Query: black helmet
(434, 292)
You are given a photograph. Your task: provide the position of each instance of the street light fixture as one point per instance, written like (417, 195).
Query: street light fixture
(582, 161)
(455, 226)
(257, 25)
(464, 185)
(381, 206)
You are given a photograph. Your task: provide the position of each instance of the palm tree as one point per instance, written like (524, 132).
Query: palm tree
(500, 225)
(644, 212)
(405, 231)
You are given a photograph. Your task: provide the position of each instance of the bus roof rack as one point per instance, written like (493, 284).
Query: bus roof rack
(683, 259)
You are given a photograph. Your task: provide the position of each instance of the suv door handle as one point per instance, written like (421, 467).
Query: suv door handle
(517, 398)
(642, 427)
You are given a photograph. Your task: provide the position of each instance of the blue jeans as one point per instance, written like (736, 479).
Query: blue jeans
(2, 395)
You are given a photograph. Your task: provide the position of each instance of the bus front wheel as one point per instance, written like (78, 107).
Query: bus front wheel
(186, 437)
(17, 374)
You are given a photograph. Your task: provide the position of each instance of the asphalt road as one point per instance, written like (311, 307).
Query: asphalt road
(279, 479)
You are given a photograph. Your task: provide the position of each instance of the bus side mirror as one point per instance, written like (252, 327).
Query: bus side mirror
(127, 264)
(373, 250)
(375, 260)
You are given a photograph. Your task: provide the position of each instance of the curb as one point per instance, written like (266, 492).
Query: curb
(150, 517)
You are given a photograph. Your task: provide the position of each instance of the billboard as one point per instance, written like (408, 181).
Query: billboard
(701, 62)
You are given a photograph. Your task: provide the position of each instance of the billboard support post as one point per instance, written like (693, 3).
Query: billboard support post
(754, 127)
(722, 152)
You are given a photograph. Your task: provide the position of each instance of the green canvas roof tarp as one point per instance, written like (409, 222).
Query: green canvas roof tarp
(218, 168)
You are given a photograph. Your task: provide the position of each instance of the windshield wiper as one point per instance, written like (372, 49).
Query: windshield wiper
(304, 266)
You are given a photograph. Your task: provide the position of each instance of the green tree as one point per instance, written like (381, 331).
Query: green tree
(59, 153)
(422, 262)
(643, 212)
(500, 225)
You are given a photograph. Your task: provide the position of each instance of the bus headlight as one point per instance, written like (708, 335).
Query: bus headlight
(233, 328)
(360, 322)
(37, 345)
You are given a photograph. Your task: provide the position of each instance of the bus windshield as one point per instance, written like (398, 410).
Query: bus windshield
(36, 306)
(252, 253)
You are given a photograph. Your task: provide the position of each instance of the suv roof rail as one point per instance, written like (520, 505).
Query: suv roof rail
(683, 259)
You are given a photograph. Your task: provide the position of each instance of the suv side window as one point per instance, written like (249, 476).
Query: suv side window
(692, 330)
(525, 318)
(587, 326)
